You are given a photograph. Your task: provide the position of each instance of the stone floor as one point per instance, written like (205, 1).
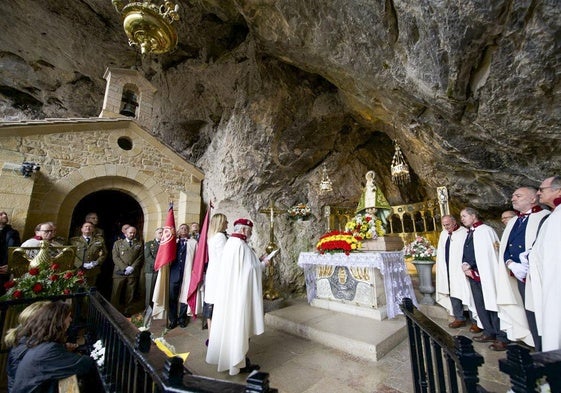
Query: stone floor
(299, 365)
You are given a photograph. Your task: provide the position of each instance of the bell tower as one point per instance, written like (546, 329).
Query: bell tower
(128, 94)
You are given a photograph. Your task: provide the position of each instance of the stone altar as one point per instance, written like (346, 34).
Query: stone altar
(367, 284)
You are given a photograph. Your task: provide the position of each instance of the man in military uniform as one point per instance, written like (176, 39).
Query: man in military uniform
(90, 252)
(94, 219)
(150, 252)
(128, 255)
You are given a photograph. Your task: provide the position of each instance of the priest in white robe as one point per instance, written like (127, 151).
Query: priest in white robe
(238, 307)
(452, 288)
(480, 262)
(545, 269)
(512, 291)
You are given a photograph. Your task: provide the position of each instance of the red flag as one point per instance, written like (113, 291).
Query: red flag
(199, 262)
(168, 246)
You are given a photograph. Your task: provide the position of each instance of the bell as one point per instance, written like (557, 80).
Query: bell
(129, 110)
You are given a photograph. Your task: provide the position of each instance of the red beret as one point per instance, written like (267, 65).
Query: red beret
(243, 221)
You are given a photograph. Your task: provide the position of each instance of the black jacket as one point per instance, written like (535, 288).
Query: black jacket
(9, 237)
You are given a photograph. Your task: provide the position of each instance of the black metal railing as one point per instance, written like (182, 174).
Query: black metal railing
(440, 362)
(527, 371)
(132, 361)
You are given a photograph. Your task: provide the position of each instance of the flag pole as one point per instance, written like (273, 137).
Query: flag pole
(199, 265)
(166, 254)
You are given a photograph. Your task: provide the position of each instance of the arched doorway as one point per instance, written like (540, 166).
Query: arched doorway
(114, 209)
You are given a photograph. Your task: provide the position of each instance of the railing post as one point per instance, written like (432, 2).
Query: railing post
(174, 371)
(143, 341)
(259, 383)
(520, 366)
(470, 362)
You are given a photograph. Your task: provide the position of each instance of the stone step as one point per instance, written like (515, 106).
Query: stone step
(362, 337)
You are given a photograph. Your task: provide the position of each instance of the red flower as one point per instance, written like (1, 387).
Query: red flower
(9, 284)
(17, 294)
(34, 271)
(80, 273)
(68, 275)
(38, 287)
(54, 266)
(66, 291)
(80, 281)
(54, 277)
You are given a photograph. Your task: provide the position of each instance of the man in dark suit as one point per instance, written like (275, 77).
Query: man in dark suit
(128, 256)
(179, 278)
(9, 237)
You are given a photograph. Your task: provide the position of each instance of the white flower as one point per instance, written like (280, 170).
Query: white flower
(420, 249)
(98, 353)
(166, 344)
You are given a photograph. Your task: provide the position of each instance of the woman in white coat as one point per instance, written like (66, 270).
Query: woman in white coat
(216, 240)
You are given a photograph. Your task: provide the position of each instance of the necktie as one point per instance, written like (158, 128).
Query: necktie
(87, 240)
(469, 237)
(447, 248)
(130, 243)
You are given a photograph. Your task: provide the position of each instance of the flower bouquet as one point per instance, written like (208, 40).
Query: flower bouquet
(420, 249)
(98, 353)
(365, 227)
(299, 211)
(44, 280)
(337, 241)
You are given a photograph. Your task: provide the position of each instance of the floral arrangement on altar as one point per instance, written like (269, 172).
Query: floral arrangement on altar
(337, 241)
(365, 227)
(420, 249)
(300, 210)
(44, 280)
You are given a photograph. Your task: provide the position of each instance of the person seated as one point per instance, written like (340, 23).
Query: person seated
(41, 357)
(11, 339)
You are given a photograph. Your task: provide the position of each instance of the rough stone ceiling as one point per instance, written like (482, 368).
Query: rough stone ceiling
(260, 93)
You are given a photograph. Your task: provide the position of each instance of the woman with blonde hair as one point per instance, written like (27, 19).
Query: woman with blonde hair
(11, 338)
(216, 239)
(11, 335)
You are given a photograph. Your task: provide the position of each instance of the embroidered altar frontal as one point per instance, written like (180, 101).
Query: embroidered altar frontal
(368, 284)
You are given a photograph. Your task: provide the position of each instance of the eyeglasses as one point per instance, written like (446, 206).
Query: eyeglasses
(545, 188)
(46, 230)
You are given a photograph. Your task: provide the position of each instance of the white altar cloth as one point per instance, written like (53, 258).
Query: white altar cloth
(397, 283)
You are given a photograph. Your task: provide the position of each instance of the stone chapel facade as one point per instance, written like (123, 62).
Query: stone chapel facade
(79, 157)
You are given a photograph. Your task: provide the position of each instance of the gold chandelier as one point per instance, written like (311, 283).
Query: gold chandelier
(149, 26)
(399, 168)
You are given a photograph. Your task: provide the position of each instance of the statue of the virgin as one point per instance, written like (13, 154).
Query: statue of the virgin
(373, 201)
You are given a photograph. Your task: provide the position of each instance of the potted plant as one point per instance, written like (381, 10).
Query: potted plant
(422, 252)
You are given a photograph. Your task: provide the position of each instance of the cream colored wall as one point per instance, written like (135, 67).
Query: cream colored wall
(79, 159)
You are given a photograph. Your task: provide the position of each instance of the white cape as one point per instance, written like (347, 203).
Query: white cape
(216, 245)
(459, 286)
(486, 245)
(238, 310)
(161, 294)
(545, 270)
(187, 269)
(511, 308)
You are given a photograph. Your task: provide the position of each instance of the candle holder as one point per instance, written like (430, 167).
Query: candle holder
(270, 293)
